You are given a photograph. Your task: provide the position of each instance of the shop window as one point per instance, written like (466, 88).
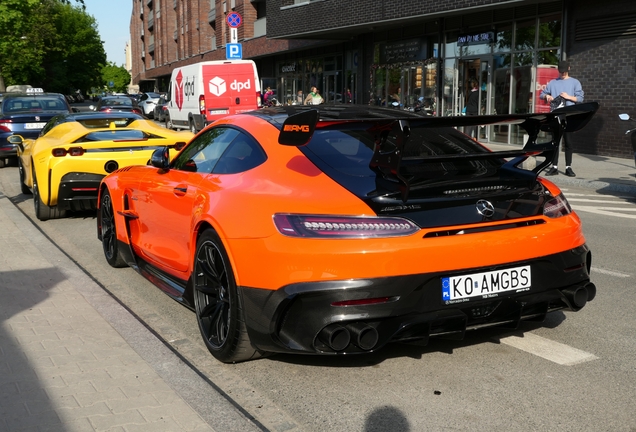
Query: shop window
(503, 36)
(525, 35)
(549, 31)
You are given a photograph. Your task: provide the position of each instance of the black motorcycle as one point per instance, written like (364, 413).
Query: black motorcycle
(631, 131)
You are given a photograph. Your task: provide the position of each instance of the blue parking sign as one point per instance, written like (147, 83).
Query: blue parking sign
(233, 51)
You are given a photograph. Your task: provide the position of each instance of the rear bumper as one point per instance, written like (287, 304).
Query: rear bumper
(301, 318)
(78, 191)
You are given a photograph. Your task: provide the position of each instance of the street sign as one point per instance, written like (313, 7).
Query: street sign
(233, 35)
(234, 19)
(233, 51)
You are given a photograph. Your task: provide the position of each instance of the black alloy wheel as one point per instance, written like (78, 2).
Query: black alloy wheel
(217, 305)
(109, 232)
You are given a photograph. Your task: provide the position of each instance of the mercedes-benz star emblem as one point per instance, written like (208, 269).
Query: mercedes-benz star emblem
(485, 208)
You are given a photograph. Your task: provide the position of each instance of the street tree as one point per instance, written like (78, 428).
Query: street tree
(117, 75)
(52, 44)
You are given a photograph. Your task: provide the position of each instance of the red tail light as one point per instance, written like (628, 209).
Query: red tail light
(258, 99)
(5, 126)
(137, 111)
(202, 105)
(73, 151)
(557, 207)
(318, 226)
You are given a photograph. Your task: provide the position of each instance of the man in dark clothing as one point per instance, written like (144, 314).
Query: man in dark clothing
(472, 106)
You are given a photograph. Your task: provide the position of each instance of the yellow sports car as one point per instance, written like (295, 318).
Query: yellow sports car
(64, 166)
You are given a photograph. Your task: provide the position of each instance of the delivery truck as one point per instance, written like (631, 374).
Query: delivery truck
(204, 92)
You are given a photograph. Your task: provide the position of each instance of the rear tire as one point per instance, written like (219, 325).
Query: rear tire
(2, 163)
(218, 308)
(42, 211)
(169, 124)
(109, 232)
(193, 128)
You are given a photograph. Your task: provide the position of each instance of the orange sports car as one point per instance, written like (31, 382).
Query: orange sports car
(340, 229)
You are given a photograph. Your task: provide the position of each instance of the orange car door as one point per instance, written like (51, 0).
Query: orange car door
(166, 215)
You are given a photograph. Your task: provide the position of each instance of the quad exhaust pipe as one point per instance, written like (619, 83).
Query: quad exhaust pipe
(580, 295)
(338, 337)
(335, 337)
(363, 335)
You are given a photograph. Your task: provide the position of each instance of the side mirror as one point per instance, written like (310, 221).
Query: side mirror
(624, 116)
(15, 139)
(160, 158)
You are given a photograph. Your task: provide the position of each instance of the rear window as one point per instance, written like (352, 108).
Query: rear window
(127, 102)
(118, 135)
(30, 104)
(350, 151)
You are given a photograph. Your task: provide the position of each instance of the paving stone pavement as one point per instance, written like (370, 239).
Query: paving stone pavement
(67, 361)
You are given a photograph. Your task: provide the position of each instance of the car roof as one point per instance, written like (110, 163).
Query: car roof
(33, 95)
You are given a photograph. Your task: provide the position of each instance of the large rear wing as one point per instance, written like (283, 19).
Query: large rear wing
(298, 129)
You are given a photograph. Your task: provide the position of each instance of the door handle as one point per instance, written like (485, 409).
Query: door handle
(180, 190)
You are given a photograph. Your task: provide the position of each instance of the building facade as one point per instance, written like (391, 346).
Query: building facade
(410, 52)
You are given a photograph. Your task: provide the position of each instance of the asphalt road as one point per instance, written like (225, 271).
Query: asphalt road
(576, 371)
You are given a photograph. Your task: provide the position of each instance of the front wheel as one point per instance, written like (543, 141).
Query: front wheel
(109, 232)
(217, 304)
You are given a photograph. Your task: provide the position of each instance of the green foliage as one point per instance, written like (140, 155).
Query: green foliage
(51, 44)
(118, 75)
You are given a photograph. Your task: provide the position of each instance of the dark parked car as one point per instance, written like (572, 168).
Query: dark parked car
(117, 104)
(25, 114)
(160, 112)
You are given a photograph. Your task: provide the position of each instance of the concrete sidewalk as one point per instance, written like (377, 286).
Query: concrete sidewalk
(73, 359)
(601, 173)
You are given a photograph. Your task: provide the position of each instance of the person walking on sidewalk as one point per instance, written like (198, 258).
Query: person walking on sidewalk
(560, 92)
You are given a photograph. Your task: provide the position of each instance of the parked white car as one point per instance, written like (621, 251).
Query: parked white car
(147, 103)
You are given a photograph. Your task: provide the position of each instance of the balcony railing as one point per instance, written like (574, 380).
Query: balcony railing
(151, 20)
(212, 13)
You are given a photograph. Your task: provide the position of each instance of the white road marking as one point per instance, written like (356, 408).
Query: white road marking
(610, 272)
(550, 350)
(597, 210)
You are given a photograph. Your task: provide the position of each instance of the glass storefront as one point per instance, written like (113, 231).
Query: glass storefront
(512, 62)
(403, 77)
(335, 81)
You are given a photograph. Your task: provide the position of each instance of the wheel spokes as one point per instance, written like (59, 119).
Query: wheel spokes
(211, 285)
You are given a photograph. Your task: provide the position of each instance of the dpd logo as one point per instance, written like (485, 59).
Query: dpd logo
(217, 86)
(178, 94)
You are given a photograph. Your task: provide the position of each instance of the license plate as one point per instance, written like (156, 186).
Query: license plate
(476, 286)
(34, 125)
(214, 112)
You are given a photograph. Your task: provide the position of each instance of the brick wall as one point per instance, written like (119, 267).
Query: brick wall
(328, 14)
(606, 68)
